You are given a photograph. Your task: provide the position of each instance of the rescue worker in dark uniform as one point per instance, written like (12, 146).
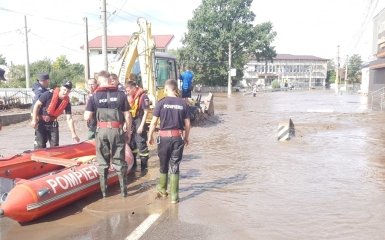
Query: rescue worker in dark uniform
(38, 88)
(91, 124)
(139, 103)
(112, 112)
(46, 110)
(173, 136)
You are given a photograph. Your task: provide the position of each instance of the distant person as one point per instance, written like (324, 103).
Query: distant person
(254, 91)
(174, 133)
(50, 105)
(112, 112)
(187, 78)
(91, 123)
(115, 81)
(140, 104)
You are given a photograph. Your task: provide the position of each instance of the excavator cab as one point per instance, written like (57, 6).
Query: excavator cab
(165, 68)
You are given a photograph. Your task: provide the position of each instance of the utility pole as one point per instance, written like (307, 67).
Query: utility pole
(87, 62)
(104, 37)
(346, 72)
(337, 68)
(310, 75)
(229, 72)
(27, 80)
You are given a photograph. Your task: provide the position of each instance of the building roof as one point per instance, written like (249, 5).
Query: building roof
(298, 57)
(161, 41)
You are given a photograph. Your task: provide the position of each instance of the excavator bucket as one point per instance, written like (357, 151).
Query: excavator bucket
(201, 109)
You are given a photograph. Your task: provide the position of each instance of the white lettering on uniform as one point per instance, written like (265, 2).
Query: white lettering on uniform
(102, 100)
(114, 99)
(179, 107)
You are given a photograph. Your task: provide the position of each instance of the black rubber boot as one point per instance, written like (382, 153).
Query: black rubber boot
(123, 183)
(134, 165)
(143, 163)
(103, 183)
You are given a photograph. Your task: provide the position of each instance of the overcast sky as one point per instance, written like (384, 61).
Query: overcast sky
(307, 27)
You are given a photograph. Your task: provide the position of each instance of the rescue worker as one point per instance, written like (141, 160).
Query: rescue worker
(174, 133)
(38, 88)
(115, 81)
(46, 110)
(140, 104)
(91, 124)
(112, 112)
(187, 78)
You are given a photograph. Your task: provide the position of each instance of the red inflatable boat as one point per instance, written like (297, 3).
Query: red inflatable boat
(75, 176)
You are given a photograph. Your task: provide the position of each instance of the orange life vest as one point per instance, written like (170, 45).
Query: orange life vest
(106, 88)
(54, 112)
(135, 102)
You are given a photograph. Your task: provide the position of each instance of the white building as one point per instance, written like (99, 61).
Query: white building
(373, 73)
(114, 45)
(296, 70)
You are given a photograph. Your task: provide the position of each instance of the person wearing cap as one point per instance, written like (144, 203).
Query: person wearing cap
(174, 131)
(50, 105)
(40, 86)
(112, 112)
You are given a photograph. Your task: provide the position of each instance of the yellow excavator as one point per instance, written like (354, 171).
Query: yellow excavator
(139, 61)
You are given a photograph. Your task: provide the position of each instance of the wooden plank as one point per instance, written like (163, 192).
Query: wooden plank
(54, 160)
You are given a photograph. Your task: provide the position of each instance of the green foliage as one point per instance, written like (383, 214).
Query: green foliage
(215, 24)
(59, 70)
(275, 84)
(331, 72)
(354, 68)
(3, 61)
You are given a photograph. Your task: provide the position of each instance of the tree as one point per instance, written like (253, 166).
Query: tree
(264, 51)
(3, 60)
(354, 68)
(61, 62)
(59, 70)
(215, 24)
(331, 72)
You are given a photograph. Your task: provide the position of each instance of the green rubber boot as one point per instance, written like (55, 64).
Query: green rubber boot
(161, 188)
(123, 183)
(174, 187)
(103, 184)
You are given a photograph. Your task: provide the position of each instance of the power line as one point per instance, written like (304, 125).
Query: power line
(58, 44)
(42, 17)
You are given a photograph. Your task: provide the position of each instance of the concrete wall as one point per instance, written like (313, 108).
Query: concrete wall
(14, 118)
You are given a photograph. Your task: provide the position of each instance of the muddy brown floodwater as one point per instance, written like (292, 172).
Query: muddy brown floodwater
(239, 182)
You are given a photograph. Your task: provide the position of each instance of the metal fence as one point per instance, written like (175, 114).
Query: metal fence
(19, 97)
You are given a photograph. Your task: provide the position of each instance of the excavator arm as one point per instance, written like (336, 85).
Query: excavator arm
(141, 46)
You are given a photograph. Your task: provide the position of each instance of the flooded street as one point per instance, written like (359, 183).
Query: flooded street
(239, 182)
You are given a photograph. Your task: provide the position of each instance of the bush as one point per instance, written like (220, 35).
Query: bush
(275, 84)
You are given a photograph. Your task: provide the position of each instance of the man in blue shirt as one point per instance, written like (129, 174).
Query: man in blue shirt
(186, 77)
